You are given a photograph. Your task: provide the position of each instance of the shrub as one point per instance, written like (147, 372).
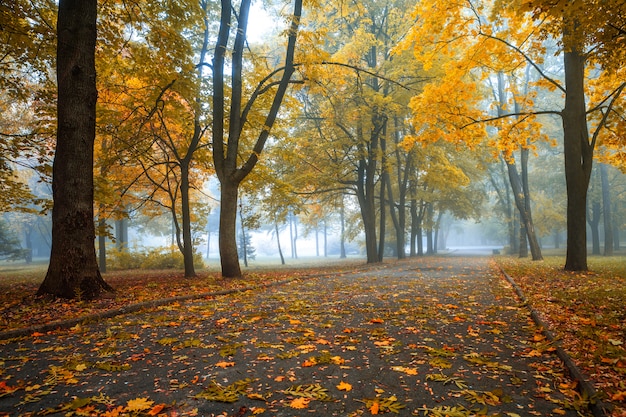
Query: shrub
(150, 258)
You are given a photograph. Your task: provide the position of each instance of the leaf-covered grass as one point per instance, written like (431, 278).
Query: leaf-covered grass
(21, 308)
(586, 311)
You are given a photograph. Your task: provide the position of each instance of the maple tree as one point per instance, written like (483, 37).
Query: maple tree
(73, 269)
(467, 36)
(229, 129)
(152, 118)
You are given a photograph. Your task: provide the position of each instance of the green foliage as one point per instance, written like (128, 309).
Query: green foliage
(149, 258)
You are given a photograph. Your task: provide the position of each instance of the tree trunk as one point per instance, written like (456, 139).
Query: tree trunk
(523, 241)
(594, 224)
(365, 195)
(102, 239)
(244, 244)
(186, 218)
(229, 257)
(73, 270)
(226, 153)
(413, 212)
(382, 221)
(430, 214)
(280, 250)
(342, 243)
(578, 160)
(606, 212)
(325, 238)
(524, 211)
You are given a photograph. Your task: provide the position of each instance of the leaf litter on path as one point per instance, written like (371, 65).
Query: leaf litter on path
(420, 337)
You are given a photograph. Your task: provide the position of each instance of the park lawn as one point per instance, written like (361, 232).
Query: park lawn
(586, 312)
(21, 308)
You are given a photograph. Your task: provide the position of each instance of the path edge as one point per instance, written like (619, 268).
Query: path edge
(597, 407)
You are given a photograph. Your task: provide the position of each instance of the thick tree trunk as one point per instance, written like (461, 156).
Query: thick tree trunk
(229, 257)
(578, 160)
(73, 270)
(368, 215)
(606, 212)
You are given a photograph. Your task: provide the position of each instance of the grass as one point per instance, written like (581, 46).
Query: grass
(586, 311)
(21, 308)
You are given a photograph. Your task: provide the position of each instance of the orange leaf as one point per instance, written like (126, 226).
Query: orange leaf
(300, 402)
(619, 396)
(375, 408)
(225, 364)
(156, 409)
(377, 321)
(344, 386)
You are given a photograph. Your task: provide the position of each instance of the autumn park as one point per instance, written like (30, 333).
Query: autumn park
(312, 207)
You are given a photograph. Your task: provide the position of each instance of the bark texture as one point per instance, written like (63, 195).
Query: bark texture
(73, 270)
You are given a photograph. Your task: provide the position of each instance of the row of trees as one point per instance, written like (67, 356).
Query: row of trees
(402, 107)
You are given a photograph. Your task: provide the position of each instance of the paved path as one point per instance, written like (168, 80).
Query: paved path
(414, 337)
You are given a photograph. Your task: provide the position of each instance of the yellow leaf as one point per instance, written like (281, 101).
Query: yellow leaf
(81, 367)
(300, 402)
(559, 411)
(344, 386)
(337, 360)
(139, 404)
(408, 371)
(257, 410)
(225, 364)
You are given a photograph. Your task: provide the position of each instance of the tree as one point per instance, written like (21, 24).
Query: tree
(229, 131)
(10, 246)
(471, 35)
(73, 270)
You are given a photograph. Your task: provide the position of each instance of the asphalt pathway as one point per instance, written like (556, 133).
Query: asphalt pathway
(438, 336)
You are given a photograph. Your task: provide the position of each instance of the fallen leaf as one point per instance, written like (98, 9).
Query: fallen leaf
(375, 408)
(139, 404)
(300, 402)
(225, 364)
(156, 409)
(344, 386)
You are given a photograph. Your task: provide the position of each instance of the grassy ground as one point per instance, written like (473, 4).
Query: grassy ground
(587, 313)
(19, 283)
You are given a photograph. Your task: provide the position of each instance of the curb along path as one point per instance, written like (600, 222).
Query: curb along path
(421, 337)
